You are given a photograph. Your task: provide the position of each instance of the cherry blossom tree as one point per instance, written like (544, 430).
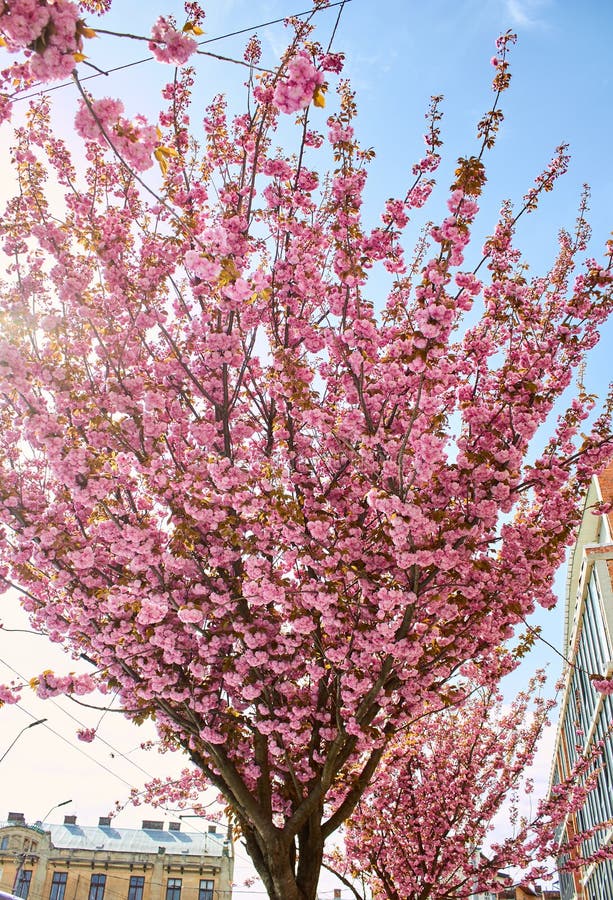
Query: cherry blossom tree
(281, 515)
(419, 830)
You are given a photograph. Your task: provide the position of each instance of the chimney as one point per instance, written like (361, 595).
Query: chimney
(212, 829)
(104, 822)
(70, 820)
(174, 826)
(337, 894)
(16, 818)
(151, 825)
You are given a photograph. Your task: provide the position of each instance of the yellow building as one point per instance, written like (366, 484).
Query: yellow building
(75, 862)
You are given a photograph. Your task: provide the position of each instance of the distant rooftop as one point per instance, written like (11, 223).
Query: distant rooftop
(105, 837)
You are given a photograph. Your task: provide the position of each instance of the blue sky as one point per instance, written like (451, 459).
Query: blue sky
(398, 53)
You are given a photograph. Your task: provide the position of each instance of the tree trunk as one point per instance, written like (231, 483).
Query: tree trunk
(289, 872)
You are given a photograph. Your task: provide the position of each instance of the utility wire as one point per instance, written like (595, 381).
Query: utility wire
(221, 37)
(82, 724)
(237, 851)
(74, 747)
(79, 749)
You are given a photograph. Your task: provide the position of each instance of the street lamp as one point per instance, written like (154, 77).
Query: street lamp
(57, 806)
(31, 725)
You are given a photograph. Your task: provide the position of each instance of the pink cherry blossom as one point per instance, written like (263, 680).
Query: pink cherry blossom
(49, 30)
(295, 89)
(169, 45)
(103, 122)
(603, 685)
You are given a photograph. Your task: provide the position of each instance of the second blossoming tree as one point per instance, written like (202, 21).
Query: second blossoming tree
(425, 828)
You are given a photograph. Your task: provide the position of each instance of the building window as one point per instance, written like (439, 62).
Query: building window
(22, 882)
(4, 843)
(206, 889)
(58, 886)
(173, 889)
(96, 887)
(135, 891)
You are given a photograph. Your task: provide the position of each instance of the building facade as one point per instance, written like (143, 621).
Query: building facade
(74, 862)
(586, 715)
(508, 890)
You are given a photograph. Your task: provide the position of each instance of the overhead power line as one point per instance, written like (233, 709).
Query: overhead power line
(74, 747)
(220, 37)
(83, 725)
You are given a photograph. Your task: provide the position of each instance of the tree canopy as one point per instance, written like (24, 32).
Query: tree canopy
(282, 516)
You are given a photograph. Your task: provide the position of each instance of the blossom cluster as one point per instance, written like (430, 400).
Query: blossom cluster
(296, 88)
(48, 684)
(603, 685)
(103, 122)
(49, 36)
(169, 45)
(52, 32)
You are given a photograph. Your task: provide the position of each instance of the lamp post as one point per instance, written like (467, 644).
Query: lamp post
(31, 725)
(23, 856)
(57, 806)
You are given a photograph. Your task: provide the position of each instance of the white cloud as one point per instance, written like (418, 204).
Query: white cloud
(526, 13)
